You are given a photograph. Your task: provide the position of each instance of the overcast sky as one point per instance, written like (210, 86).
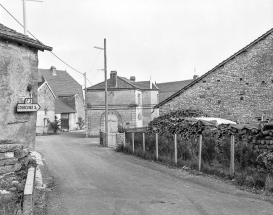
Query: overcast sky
(164, 39)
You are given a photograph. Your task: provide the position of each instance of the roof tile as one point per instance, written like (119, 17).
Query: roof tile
(10, 34)
(62, 83)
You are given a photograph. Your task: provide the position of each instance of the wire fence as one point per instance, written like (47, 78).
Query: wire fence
(230, 156)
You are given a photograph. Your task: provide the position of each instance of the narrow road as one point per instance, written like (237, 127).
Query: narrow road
(90, 179)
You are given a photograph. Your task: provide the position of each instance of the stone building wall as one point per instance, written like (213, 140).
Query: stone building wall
(121, 102)
(240, 90)
(47, 109)
(18, 80)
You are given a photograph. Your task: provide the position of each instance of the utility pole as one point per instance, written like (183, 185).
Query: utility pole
(25, 15)
(85, 103)
(106, 102)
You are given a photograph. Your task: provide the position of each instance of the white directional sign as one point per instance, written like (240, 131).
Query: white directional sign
(28, 107)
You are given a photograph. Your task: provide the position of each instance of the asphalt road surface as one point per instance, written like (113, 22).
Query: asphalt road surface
(90, 179)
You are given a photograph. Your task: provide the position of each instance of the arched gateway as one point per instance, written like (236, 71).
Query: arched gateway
(114, 119)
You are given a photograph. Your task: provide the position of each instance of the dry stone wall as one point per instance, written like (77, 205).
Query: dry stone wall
(14, 160)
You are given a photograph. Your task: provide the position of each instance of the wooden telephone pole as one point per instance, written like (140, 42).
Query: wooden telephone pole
(106, 101)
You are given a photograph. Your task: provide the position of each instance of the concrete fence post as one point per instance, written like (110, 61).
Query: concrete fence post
(200, 153)
(156, 146)
(124, 139)
(232, 152)
(133, 142)
(175, 149)
(143, 142)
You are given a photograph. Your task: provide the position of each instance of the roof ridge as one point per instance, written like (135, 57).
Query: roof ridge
(175, 81)
(216, 67)
(128, 81)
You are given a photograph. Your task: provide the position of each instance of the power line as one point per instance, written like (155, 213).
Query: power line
(65, 63)
(89, 81)
(39, 41)
(95, 62)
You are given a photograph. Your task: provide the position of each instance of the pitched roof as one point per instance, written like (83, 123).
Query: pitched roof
(62, 83)
(40, 85)
(123, 83)
(62, 107)
(169, 88)
(145, 85)
(12, 35)
(215, 68)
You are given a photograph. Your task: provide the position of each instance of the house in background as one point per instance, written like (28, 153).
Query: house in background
(130, 104)
(169, 88)
(46, 113)
(69, 101)
(239, 88)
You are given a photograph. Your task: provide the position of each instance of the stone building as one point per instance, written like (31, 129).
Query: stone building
(46, 113)
(69, 104)
(130, 104)
(18, 80)
(239, 88)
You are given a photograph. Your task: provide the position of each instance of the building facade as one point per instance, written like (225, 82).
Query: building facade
(18, 81)
(46, 113)
(130, 104)
(239, 89)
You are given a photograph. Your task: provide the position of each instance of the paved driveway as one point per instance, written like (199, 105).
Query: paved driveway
(90, 179)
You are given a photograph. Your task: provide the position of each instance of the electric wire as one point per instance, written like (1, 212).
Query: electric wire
(40, 42)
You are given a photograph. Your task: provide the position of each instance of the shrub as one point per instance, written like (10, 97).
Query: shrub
(80, 122)
(55, 125)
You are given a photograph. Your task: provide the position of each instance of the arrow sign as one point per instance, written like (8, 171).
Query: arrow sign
(28, 107)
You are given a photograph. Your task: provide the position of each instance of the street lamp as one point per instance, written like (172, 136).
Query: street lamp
(106, 103)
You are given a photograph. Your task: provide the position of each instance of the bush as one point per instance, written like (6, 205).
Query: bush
(55, 125)
(80, 122)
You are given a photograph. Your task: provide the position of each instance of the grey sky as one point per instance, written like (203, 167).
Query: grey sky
(164, 39)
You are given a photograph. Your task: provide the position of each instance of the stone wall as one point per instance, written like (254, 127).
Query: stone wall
(14, 162)
(241, 90)
(18, 80)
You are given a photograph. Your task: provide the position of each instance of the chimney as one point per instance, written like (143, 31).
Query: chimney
(151, 83)
(53, 70)
(113, 79)
(133, 78)
(195, 77)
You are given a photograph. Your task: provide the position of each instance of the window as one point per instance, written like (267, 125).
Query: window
(138, 99)
(45, 111)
